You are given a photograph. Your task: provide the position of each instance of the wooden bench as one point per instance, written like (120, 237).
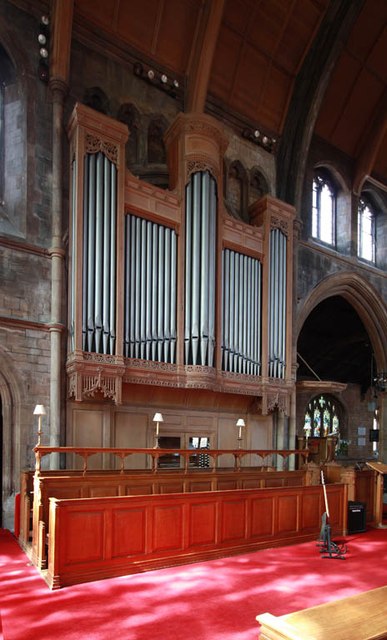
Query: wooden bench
(97, 538)
(75, 485)
(359, 617)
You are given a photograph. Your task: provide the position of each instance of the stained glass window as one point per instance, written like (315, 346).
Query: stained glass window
(326, 420)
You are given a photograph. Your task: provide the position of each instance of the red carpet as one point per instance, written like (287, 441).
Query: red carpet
(216, 600)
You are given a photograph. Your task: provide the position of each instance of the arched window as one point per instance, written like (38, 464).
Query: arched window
(97, 99)
(131, 117)
(156, 146)
(258, 186)
(236, 191)
(8, 117)
(324, 209)
(322, 417)
(365, 231)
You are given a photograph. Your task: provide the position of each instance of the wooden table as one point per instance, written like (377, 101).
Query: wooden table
(360, 617)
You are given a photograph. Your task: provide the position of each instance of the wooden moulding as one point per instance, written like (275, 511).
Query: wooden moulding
(362, 616)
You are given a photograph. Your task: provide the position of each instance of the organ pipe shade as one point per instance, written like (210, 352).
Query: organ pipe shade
(73, 240)
(277, 304)
(241, 313)
(99, 254)
(200, 262)
(150, 290)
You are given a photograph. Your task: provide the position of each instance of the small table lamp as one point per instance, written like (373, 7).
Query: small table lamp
(39, 411)
(240, 423)
(157, 418)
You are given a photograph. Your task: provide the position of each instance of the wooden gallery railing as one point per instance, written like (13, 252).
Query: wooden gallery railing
(138, 519)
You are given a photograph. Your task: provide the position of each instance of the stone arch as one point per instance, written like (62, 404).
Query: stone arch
(97, 99)
(236, 188)
(12, 419)
(366, 301)
(259, 185)
(334, 174)
(155, 140)
(129, 115)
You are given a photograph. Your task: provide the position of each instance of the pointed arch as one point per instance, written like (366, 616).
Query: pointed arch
(11, 403)
(363, 297)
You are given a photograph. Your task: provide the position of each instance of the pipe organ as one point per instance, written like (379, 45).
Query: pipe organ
(165, 287)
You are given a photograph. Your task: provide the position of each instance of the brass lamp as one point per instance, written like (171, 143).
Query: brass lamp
(39, 411)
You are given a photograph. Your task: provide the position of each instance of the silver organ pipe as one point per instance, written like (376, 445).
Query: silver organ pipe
(150, 290)
(111, 312)
(72, 292)
(160, 293)
(188, 261)
(241, 313)
(212, 270)
(98, 292)
(148, 302)
(154, 272)
(85, 257)
(195, 267)
(173, 298)
(90, 274)
(99, 254)
(142, 306)
(277, 304)
(200, 261)
(107, 249)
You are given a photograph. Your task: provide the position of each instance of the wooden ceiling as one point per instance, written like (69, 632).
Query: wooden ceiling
(246, 59)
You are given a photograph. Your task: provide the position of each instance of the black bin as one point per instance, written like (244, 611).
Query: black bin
(356, 517)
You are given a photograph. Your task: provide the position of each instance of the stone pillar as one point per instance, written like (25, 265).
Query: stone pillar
(59, 90)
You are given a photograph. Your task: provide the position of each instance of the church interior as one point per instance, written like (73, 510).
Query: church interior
(193, 242)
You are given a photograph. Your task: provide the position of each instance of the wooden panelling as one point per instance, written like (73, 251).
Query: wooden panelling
(203, 518)
(262, 517)
(128, 532)
(311, 510)
(87, 539)
(233, 519)
(168, 527)
(200, 486)
(104, 537)
(365, 491)
(288, 513)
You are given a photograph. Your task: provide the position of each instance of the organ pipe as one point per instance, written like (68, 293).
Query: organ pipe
(111, 327)
(72, 292)
(241, 313)
(150, 290)
(277, 304)
(200, 261)
(99, 254)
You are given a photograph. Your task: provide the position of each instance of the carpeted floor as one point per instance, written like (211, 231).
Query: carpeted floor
(216, 600)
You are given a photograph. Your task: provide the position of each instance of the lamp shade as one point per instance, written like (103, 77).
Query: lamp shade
(158, 417)
(240, 423)
(39, 410)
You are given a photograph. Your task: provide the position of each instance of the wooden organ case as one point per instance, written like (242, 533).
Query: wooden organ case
(166, 289)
